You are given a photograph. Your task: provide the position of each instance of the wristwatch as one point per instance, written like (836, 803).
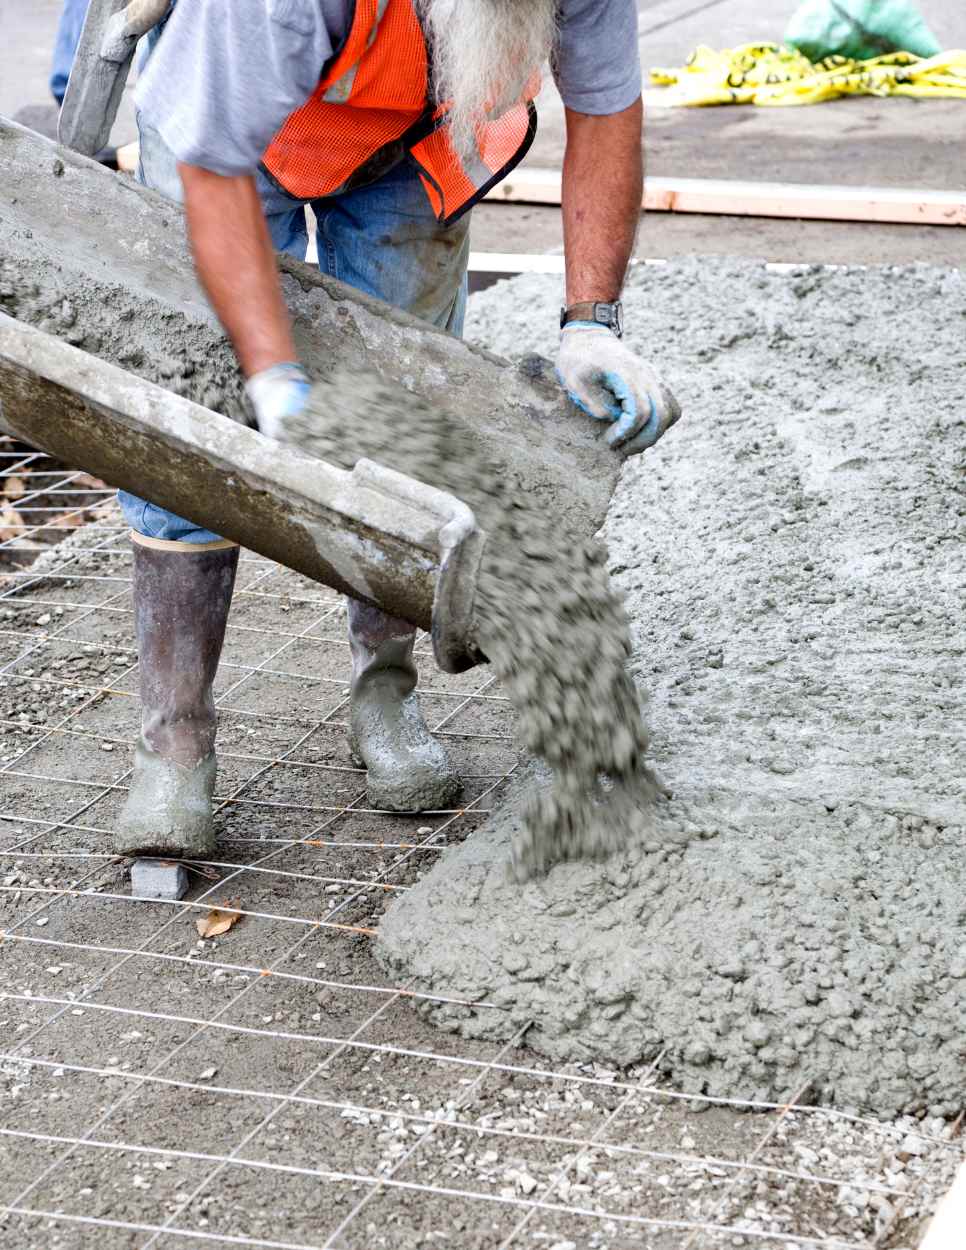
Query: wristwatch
(609, 315)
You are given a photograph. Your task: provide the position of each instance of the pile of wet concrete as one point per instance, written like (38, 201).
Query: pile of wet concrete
(793, 562)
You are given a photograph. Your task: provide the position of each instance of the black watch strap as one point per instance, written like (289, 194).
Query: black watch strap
(610, 315)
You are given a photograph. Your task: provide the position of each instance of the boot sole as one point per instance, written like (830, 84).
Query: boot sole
(416, 798)
(168, 811)
(438, 792)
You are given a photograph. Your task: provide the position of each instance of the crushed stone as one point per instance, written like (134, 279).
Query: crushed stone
(793, 560)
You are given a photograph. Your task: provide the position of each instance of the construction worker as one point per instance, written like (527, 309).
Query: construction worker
(391, 118)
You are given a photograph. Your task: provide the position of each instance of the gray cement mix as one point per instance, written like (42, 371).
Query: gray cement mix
(793, 560)
(119, 324)
(546, 616)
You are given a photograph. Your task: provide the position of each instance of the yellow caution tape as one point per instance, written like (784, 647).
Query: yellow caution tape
(778, 75)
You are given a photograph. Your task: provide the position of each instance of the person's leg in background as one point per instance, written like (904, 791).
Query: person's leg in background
(65, 45)
(384, 240)
(44, 118)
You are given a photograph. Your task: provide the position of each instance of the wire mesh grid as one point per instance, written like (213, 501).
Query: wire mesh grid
(270, 1087)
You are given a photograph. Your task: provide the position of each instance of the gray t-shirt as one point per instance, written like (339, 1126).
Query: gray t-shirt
(227, 73)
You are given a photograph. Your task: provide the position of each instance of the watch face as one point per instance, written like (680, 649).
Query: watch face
(611, 315)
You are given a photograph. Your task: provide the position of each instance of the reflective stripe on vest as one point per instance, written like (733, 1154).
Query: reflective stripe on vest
(371, 109)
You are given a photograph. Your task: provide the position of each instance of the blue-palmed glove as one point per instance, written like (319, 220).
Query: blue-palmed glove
(277, 393)
(606, 380)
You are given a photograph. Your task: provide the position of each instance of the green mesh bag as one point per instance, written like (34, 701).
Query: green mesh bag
(860, 29)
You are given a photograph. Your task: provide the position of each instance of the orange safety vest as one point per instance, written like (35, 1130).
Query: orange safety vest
(374, 107)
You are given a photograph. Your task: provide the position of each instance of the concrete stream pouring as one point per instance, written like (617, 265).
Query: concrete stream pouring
(792, 562)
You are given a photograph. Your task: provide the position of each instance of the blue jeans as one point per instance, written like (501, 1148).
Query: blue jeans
(382, 239)
(65, 45)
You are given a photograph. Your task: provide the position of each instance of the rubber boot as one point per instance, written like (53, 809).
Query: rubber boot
(182, 593)
(408, 770)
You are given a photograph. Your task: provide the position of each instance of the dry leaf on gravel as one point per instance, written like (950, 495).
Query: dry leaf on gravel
(219, 920)
(11, 523)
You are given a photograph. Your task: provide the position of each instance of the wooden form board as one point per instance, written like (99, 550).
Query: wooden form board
(883, 205)
(517, 262)
(948, 1228)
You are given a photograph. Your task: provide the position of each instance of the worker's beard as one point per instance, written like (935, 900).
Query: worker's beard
(484, 54)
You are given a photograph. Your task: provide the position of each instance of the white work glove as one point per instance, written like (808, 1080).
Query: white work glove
(276, 393)
(610, 383)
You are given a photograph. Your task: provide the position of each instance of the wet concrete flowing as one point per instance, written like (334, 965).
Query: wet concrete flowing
(547, 617)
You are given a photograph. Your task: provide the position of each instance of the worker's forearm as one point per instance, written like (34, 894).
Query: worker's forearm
(236, 265)
(603, 178)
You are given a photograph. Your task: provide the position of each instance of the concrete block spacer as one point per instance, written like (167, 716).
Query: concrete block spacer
(158, 878)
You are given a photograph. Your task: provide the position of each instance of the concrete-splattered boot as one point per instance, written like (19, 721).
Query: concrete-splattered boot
(182, 593)
(408, 769)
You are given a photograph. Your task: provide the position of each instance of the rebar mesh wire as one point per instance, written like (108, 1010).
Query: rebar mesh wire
(269, 1088)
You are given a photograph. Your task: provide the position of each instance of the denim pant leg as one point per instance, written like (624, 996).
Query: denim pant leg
(384, 239)
(284, 216)
(65, 45)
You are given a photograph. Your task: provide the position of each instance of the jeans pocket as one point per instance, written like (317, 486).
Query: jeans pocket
(155, 522)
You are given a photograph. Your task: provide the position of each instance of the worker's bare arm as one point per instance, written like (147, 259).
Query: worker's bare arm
(602, 190)
(236, 264)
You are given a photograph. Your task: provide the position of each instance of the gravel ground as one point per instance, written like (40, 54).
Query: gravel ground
(101, 996)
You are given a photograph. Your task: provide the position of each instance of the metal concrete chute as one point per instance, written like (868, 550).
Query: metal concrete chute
(102, 64)
(108, 325)
(367, 531)
(116, 254)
